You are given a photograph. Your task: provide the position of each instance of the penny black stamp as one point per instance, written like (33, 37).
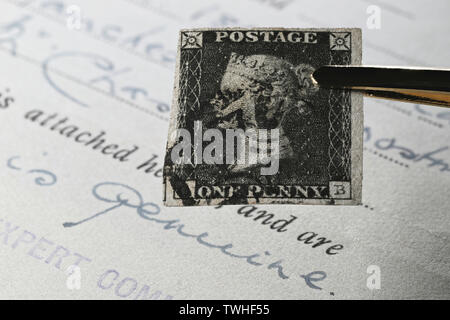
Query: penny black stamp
(258, 81)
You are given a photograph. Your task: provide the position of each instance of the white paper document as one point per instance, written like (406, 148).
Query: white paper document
(85, 97)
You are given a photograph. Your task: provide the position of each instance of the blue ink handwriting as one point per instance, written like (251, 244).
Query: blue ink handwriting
(126, 196)
(106, 79)
(391, 144)
(44, 177)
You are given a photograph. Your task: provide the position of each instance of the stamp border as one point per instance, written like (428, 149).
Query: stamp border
(356, 123)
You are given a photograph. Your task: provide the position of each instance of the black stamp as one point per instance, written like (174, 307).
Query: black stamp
(249, 125)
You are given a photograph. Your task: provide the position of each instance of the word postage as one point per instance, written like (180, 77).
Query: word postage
(250, 125)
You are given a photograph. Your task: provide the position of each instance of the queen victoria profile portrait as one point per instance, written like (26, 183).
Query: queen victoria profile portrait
(267, 92)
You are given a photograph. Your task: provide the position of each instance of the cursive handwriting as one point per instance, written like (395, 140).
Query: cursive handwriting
(126, 196)
(11, 31)
(391, 144)
(105, 78)
(44, 178)
(141, 43)
(437, 113)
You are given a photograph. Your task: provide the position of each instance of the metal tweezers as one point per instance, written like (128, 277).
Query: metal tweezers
(416, 85)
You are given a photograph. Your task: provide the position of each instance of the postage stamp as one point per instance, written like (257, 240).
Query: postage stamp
(249, 125)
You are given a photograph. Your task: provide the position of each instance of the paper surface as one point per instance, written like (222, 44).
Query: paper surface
(84, 110)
